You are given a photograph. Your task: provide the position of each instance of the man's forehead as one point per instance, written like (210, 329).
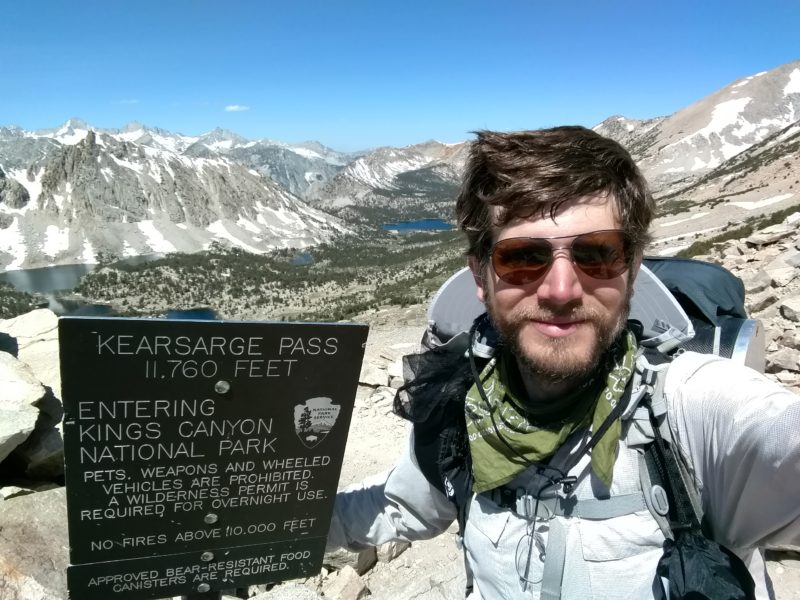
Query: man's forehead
(553, 214)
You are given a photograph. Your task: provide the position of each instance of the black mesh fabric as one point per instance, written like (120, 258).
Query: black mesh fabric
(433, 380)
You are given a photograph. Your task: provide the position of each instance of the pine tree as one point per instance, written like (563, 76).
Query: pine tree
(305, 420)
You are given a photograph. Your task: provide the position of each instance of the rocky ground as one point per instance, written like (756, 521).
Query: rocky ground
(33, 543)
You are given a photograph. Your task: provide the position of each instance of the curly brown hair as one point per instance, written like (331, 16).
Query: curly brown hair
(528, 172)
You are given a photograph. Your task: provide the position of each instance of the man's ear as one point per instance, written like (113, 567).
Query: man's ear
(477, 275)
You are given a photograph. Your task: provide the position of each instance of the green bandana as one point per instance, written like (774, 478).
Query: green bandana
(495, 464)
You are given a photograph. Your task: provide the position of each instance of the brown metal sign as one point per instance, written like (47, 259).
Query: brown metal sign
(201, 455)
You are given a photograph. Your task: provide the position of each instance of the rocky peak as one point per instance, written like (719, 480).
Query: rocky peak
(75, 123)
(12, 194)
(631, 133)
(219, 136)
(132, 126)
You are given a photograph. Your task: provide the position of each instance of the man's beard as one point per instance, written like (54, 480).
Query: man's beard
(556, 360)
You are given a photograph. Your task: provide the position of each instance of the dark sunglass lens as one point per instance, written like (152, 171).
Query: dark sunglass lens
(600, 254)
(521, 260)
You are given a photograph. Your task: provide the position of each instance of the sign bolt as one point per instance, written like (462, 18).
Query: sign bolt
(203, 587)
(222, 387)
(207, 556)
(210, 518)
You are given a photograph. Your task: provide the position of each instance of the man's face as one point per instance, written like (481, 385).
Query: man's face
(559, 325)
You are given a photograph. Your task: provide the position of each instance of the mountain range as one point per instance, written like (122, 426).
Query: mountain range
(77, 193)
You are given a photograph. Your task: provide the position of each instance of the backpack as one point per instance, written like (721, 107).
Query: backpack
(712, 300)
(678, 304)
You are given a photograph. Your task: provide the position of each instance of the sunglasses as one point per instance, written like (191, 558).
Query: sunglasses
(598, 254)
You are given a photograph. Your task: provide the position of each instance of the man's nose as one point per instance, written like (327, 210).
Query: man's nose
(561, 283)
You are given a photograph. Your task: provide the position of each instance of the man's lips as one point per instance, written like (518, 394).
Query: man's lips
(557, 327)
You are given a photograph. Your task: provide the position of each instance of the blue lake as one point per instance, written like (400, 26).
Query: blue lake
(419, 225)
(303, 259)
(47, 280)
(59, 279)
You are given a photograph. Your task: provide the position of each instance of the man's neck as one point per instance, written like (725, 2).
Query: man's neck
(544, 391)
(545, 394)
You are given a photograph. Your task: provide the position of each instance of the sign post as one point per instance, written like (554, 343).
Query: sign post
(201, 455)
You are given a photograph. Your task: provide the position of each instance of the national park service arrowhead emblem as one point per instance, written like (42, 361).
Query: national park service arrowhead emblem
(314, 420)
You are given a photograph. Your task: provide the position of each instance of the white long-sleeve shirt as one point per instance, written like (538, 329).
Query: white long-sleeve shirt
(740, 433)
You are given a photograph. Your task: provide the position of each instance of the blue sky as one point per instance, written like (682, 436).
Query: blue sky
(366, 73)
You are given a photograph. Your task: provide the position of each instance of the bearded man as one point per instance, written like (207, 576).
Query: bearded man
(527, 429)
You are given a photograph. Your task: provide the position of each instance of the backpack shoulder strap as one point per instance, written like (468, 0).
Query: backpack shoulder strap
(669, 488)
(693, 565)
(661, 459)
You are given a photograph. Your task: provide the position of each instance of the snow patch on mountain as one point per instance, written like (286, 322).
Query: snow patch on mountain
(698, 215)
(218, 229)
(155, 239)
(724, 114)
(69, 136)
(126, 164)
(761, 203)
(56, 240)
(306, 153)
(694, 232)
(789, 132)
(88, 255)
(59, 200)
(220, 145)
(13, 242)
(248, 225)
(793, 85)
(279, 213)
(130, 136)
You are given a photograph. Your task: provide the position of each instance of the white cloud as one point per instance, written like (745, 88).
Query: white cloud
(236, 108)
(129, 101)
